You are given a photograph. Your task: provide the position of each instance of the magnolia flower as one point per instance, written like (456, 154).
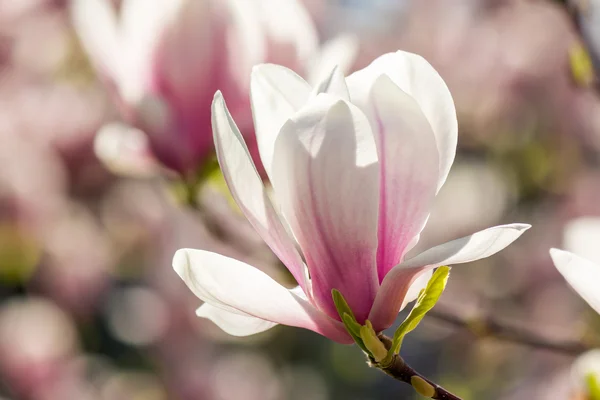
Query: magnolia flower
(355, 164)
(164, 59)
(580, 265)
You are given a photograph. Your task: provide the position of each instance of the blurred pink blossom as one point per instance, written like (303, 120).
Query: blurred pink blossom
(164, 63)
(37, 340)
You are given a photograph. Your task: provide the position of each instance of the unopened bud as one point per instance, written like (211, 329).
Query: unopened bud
(372, 342)
(422, 387)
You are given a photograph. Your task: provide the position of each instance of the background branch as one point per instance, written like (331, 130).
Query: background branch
(489, 327)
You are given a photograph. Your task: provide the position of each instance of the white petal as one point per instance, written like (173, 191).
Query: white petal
(415, 288)
(325, 178)
(333, 83)
(235, 324)
(583, 275)
(341, 51)
(392, 294)
(408, 159)
(236, 287)
(246, 40)
(95, 22)
(276, 94)
(469, 248)
(125, 150)
(288, 25)
(248, 190)
(414, 75)
(274, 31)
(581, 237)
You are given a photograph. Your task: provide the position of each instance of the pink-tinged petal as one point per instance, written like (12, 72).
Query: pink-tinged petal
(189, 57)
(325, 178)
(143, 28)
(234, 286)
(234, 323)
(332, 83)
(249, 192)
(582, 274)
(414, 75)
(408, 160)
(276, 94)
(95, 22)
(391, 296)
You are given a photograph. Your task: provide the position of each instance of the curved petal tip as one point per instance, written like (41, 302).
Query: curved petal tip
(181, 262)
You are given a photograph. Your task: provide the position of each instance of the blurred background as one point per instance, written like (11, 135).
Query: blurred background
(106, 168)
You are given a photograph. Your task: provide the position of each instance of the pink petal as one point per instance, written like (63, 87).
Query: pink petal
(325, 177)
(408, 160)
(236, 287)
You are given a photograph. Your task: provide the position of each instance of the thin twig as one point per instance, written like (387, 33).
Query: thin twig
(490, 327)
(398, 369)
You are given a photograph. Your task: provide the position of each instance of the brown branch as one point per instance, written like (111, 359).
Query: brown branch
(398, 369)
(490, 327)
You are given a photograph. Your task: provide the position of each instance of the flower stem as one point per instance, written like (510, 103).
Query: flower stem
(490, 327)
(398, 369)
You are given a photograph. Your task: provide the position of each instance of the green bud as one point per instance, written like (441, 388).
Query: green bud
(372, 342)
(593, 386)
(422, 387)
(347, 317)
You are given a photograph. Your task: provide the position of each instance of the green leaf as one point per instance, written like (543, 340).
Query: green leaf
(352, 326)
(341, 305)
(348, 318)
(427, 299)
(593, 386)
